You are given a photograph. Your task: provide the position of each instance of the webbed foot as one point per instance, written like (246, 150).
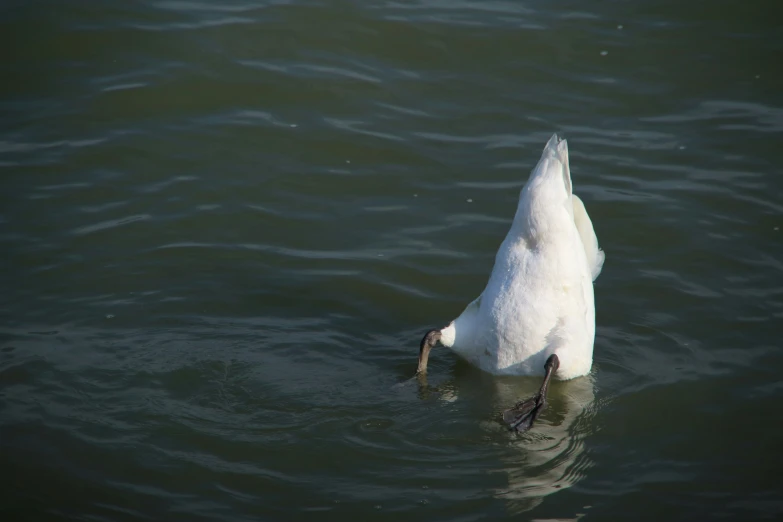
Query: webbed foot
(521, 417)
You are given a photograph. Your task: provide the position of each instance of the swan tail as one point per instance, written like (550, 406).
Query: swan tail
(557, 149)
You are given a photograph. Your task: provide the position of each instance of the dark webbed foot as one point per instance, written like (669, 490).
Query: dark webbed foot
(521, 417)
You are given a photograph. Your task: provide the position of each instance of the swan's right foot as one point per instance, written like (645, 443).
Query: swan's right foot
(521, 417)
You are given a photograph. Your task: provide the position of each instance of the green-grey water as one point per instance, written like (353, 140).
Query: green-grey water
(225, 226)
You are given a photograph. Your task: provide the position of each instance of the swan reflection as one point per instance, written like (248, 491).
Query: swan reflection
(551, 457)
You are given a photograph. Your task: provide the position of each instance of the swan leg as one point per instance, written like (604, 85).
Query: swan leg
(428, 342)
(520, 418)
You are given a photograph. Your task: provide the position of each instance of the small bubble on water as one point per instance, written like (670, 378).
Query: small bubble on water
(425, 487)
(470, 200)
(109, 316)
(758, 76)
(776, 228)
(682, 147)
(620, 26)
(347, 161)
(293, 125)
(424, 502)
(415, 195)
(377, 506)
(604, 53)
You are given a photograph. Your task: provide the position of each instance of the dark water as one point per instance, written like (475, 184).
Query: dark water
(224, 227)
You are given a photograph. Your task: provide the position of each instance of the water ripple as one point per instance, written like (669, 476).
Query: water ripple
(226, 226)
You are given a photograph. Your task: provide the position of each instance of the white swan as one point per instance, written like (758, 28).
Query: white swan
(537, 310)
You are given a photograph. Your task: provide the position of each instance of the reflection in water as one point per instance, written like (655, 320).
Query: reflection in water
(550, 457)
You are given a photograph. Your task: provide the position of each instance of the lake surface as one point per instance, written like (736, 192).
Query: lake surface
(225, 227)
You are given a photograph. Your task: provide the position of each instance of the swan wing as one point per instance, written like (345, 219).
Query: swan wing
(595, 256)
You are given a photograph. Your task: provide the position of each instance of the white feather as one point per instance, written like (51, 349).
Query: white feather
(595, 256)
(539, 297)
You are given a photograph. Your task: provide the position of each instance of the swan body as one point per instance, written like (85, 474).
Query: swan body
(539, 300)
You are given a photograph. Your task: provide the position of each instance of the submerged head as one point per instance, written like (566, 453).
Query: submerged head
(429, 341)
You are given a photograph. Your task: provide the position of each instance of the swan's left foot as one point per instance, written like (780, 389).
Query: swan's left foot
(428, 342)
(520, 418)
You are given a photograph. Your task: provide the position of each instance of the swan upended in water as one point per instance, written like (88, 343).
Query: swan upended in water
(537, 310)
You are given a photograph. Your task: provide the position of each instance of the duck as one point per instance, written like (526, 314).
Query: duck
(537, 312)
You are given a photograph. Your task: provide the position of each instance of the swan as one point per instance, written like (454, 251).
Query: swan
(537, 310)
